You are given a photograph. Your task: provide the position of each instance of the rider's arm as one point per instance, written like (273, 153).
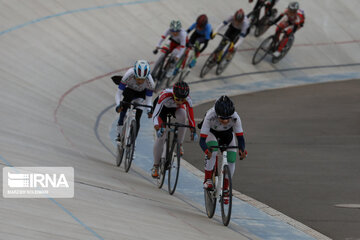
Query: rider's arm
(122, 85)
(190, 111)
(191, 27)
(159, 105)
(221, 25)
(239, 132)
(181, 47)
(205, 130)
(241, 141)
(278, 18)
(300, 22)
(163, 37)
(244, 31)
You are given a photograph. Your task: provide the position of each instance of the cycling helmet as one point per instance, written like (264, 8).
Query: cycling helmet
(201, 21)
(293, 6)
(181, 90)
(239, 15)
(175, 26)
(224, 107)
(141, 69)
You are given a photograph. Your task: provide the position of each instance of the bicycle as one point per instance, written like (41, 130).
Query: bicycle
(220, 58)
(270, 45)
(218, 192)
(183, 66)
(261, 25)
(170, 160)
(160, 71)
(128, 136)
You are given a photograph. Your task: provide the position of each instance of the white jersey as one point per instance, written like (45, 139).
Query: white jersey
(129, 81)
(179, 39)
(243, 26)
(211, 121)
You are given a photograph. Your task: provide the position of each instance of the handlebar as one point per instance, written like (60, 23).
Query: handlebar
(223, 36)
(177, 125)
(224, 147)
(136, 104)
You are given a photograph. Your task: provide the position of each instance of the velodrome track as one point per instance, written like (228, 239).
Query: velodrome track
(56, 60)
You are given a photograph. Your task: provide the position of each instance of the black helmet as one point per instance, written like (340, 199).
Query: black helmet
(181, 89)
(224, 107)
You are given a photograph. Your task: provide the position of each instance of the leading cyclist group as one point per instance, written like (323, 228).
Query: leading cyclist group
(221, 124)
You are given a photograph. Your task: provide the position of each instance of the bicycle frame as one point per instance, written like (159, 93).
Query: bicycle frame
(219, 178)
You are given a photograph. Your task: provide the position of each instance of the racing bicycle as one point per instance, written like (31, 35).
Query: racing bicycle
(161, 69)
(171, 155)
(218, 192)
(220, 58)
(126, 146)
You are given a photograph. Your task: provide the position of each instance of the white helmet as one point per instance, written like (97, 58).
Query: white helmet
(175, 26)
(141, 69)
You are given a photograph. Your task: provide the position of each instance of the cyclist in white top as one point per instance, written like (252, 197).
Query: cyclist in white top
(178, 39)
(219, 127)
(236, 32)
(136, 85)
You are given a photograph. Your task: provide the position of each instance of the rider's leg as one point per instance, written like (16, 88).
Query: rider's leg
(210, 163)
(180, 115)
(137, 118)
(285, 39)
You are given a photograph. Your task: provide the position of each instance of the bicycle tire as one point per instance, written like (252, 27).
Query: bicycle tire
(262, 50)
(162, 167)
(174, 169)
(210, 198)
(130, 146)
(209, 64)
(262, 27)
(225, 61)
(120, 149)
(186, 71)
(285, 50)
(226, 208)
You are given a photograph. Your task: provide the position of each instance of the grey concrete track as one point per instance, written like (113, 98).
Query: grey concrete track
(303, 145)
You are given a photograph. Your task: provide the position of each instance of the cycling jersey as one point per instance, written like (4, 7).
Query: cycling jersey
(206, 32)
(180, 40)
(166, 100)
(129, 81)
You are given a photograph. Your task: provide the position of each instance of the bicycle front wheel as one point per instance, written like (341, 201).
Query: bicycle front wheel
(226, 197)
(285, 50)
(130, 146)
(120, 148)
(209, 64)
(210, 198)
(224, 62)
(162, 166)
(174, 168)
(263, 50)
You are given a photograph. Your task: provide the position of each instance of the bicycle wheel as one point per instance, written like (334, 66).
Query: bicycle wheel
(130, 146)
(226, 208)
(285, 49)
(162, 166)
(262, 26)
(209, 64)
(120, 148)
(174, 169)
(224, 62)
(186, 71)
(210, 198)
(263, 50)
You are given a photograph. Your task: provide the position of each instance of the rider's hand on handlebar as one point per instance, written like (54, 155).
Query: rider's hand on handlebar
(242, 154)
(213, 35)
(160, 132)
(194, 136)
(118, 108)
(155, 51)
(150, 114)
(208, 154)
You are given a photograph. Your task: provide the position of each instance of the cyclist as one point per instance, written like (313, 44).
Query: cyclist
(178, 39)
(219, 126)
(138, 85)
(202, 34)
(238, 26)
(177, 102)
(269, 4)
(294, 20)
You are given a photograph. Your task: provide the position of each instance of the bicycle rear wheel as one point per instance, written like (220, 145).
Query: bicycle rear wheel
(224, 62)
(263, 50)
(186, 71)
(130, 146)
(162, 166)
(226, 207)
(174, 169)
(209, 64)
(120, 149)
(210, 198)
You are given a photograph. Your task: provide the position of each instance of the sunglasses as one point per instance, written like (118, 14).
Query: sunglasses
(179, 99)
(224, 118)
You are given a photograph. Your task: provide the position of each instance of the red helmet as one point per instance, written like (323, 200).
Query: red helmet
(239, 15)
(201, 21)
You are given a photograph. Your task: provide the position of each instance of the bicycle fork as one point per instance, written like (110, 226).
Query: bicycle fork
(220, 177)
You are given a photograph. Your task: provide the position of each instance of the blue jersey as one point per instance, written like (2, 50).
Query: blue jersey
(205, 32)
